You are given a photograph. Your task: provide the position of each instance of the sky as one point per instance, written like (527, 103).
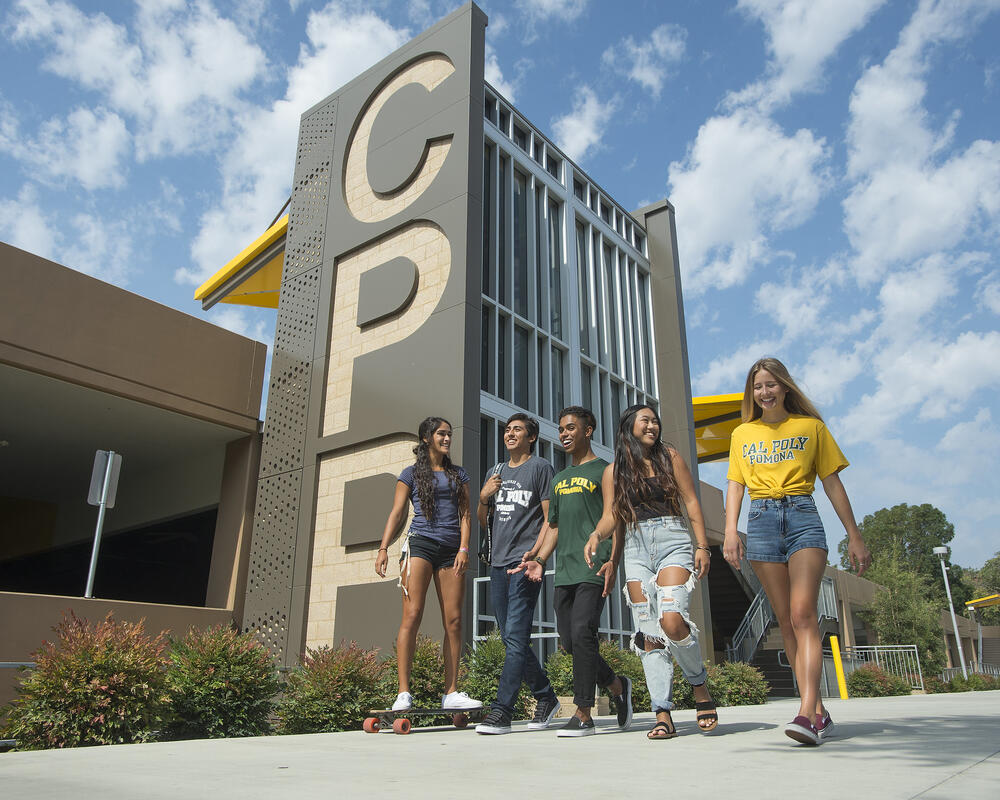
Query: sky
(834, 165)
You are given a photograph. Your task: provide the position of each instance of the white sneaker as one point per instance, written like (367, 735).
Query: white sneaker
(459, 701)
(404, 702)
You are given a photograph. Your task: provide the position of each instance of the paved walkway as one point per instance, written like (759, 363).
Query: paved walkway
(935, 746)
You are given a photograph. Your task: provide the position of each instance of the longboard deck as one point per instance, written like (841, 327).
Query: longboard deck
(398, 721)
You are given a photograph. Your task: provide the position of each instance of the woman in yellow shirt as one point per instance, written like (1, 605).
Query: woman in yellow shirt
(777, 453)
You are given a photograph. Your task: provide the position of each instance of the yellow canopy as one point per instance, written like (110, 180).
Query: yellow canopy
(253, 278)
(984, 602)
(715, 418)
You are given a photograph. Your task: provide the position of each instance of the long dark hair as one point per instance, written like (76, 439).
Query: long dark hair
(423, 474)
(630, 472)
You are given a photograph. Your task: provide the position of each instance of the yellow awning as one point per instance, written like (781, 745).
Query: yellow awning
(253, 278)
(715, 418)
(984, 602)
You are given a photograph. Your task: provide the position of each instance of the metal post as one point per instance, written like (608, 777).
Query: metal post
(89, 591)
(951, 607)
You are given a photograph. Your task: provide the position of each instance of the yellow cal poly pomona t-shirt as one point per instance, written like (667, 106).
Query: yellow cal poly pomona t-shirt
(778, 459)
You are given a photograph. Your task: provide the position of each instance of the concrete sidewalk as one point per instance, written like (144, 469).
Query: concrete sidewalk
(934, 746)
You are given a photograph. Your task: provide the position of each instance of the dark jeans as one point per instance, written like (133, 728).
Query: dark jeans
(578, 615)
(514, 598)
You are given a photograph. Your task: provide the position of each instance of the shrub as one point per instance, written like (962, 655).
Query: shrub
(976, 682)
(559, 668)
(220, 683)
(332, 690)
(872, 681)
(934, 685)
(95, 684)
(739, 684)
(481, 670)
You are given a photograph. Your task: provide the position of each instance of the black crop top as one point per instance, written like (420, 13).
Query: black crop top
(654, 504)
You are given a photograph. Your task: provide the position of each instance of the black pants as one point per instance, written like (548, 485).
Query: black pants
(578, 615)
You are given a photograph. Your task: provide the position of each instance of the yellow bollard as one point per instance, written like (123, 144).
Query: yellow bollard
(839, 666)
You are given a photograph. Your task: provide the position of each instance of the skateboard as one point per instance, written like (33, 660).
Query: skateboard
(398, 721)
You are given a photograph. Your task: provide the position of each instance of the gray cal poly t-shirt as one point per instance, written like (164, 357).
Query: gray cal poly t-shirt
(518, 516)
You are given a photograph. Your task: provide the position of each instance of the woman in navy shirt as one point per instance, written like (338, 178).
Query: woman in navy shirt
(436, 546)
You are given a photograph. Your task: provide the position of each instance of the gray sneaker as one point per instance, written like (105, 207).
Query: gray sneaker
(545, 710)
(496, 722)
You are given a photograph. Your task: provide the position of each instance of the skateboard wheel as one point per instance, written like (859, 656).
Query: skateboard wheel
(401, 725)
(371, 725)
(460, 720)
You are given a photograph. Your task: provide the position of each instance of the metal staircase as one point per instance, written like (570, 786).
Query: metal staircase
(760, 616)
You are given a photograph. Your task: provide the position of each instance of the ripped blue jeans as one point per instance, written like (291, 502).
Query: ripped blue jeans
(651, 546)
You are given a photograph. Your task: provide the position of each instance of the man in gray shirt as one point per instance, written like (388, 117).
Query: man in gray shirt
(517, 494)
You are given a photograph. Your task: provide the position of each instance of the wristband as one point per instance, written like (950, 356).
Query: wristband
(383, 548)
(463, 549)
(539, 559)
(704, 547)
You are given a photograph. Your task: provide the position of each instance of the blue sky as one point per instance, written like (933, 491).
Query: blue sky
(835, 166)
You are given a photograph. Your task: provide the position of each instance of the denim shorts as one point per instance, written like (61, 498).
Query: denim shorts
(654, 544)
(438, 553)
(778, 528)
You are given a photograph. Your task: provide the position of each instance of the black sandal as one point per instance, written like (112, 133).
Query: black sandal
(705, 711)
(667, 726)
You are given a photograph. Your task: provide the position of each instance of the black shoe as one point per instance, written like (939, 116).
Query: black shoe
(545, 710)
(496, 722)
(577, 727)
(623, 703)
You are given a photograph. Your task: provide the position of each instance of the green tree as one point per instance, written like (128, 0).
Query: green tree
(906, 612)
(986, 580)
(903, 538)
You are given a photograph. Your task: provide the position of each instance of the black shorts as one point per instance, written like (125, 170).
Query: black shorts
(438, 553)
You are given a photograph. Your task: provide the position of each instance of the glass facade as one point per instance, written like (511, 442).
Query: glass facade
(565, 311)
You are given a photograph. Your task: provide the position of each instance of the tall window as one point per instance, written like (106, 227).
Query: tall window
(646, 334)
(541, 279)
(520, 244)
(522, 383)
(558, 381)
(488, 205)
(610, 309)
(555, 270)
(487, 358)
(502, 233)
(626, 327)
(583, 282)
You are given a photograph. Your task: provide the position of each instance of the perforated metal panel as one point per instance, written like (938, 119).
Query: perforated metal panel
(276, 520)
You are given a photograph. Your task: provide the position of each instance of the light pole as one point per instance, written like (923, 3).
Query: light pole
(942, 553)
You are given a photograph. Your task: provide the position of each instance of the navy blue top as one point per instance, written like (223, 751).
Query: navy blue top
(445, 525)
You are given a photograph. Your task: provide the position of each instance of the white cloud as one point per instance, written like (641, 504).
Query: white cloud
(23, 224)
(741, 180)
(828, 372)
(728, 373)
(257, 169)
(908, 199)
(251, 323)
(802, 35)
(179, 77)
(494, 76)
(87, 146)
(988, 292)
(581, 131)
(566, 10)
(931, 377)
(536, 13)
(647, 62)
(102, 248)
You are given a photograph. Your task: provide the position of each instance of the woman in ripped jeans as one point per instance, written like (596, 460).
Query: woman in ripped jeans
(643, 491)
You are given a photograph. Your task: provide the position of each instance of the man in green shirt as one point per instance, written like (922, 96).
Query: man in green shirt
(575, 506)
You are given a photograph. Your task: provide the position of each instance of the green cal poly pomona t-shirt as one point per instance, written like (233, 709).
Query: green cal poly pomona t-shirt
(575, 506)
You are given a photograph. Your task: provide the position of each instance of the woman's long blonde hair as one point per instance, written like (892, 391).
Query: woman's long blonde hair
(795, 400)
